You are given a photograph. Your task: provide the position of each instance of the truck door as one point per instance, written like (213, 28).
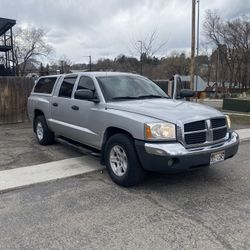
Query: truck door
(84, 114)
(61, 107)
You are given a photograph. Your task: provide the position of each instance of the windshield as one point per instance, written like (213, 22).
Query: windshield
(128, 87)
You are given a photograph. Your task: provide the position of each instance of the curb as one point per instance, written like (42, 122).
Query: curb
(3, 191)
(46, 172)
(236, 114)
(244, 134)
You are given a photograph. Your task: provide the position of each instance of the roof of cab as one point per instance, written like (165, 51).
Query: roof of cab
(93, 73)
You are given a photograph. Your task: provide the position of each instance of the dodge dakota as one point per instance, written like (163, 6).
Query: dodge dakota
(130, 122)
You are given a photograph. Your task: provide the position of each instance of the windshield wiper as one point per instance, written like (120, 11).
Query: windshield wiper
(151, 96)
(137, 97)
(124, 97)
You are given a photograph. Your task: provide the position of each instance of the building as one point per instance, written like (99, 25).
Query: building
(201, 84)
(7, 65)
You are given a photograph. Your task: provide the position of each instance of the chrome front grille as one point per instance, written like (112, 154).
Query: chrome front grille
(205, 131)
(194, 126)
(195, 138)
(218, 122)
(219, 133)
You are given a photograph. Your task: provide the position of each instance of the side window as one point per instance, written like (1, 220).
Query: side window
(67, 86)
(45, 85)
(179, 87)
(86, 82)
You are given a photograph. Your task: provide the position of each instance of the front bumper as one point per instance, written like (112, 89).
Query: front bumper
(174, 157)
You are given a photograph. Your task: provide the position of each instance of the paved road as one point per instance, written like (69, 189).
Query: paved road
(207, 209)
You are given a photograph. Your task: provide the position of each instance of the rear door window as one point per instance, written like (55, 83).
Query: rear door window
(67, 86)
(45, 85)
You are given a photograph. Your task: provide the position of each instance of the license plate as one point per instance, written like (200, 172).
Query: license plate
(217, 157)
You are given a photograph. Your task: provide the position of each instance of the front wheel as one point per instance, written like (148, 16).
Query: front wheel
(43, 134)
(122, 162)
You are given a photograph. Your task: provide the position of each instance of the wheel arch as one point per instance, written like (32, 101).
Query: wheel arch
(37, 112)
(110, 131)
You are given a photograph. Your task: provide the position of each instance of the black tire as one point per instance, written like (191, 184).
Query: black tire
(47, 136)
(134, 173)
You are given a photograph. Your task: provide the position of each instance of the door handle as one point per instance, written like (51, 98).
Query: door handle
(74, 107)
(55, 104)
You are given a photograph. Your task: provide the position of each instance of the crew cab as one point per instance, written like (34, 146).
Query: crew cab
(131, 122)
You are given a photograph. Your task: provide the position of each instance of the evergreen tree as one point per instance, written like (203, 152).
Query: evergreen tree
(47, 69)
(41, 70)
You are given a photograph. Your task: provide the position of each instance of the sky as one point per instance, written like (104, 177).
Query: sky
(108, 28)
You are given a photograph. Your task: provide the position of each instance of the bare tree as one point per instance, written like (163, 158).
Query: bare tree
(29, 43)
(150, 45)
(207, 72)
(64, 64)
(232, 39)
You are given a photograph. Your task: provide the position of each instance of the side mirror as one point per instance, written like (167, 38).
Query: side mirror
(187, 93)
(85, 94)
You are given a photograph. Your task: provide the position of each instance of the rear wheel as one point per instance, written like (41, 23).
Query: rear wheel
(122, 162)
(43, 134)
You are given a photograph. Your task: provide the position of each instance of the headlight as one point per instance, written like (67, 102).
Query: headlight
(160, 131)
(228, 121)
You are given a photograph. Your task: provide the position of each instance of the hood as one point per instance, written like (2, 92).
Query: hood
(167, 109)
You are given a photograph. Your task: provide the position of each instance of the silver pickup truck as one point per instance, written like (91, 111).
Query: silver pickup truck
(133, 125)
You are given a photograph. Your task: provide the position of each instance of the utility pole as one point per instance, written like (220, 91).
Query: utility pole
(197, 48)
(192, 66)
(90, 66)
(90, 62)
(62, 67)
(140, 41)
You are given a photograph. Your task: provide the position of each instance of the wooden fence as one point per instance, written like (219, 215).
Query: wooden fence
(14, 92)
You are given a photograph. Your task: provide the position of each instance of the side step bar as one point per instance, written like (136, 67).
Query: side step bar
(80, 147)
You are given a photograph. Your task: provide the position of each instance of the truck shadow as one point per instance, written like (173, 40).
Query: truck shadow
(207, 176)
